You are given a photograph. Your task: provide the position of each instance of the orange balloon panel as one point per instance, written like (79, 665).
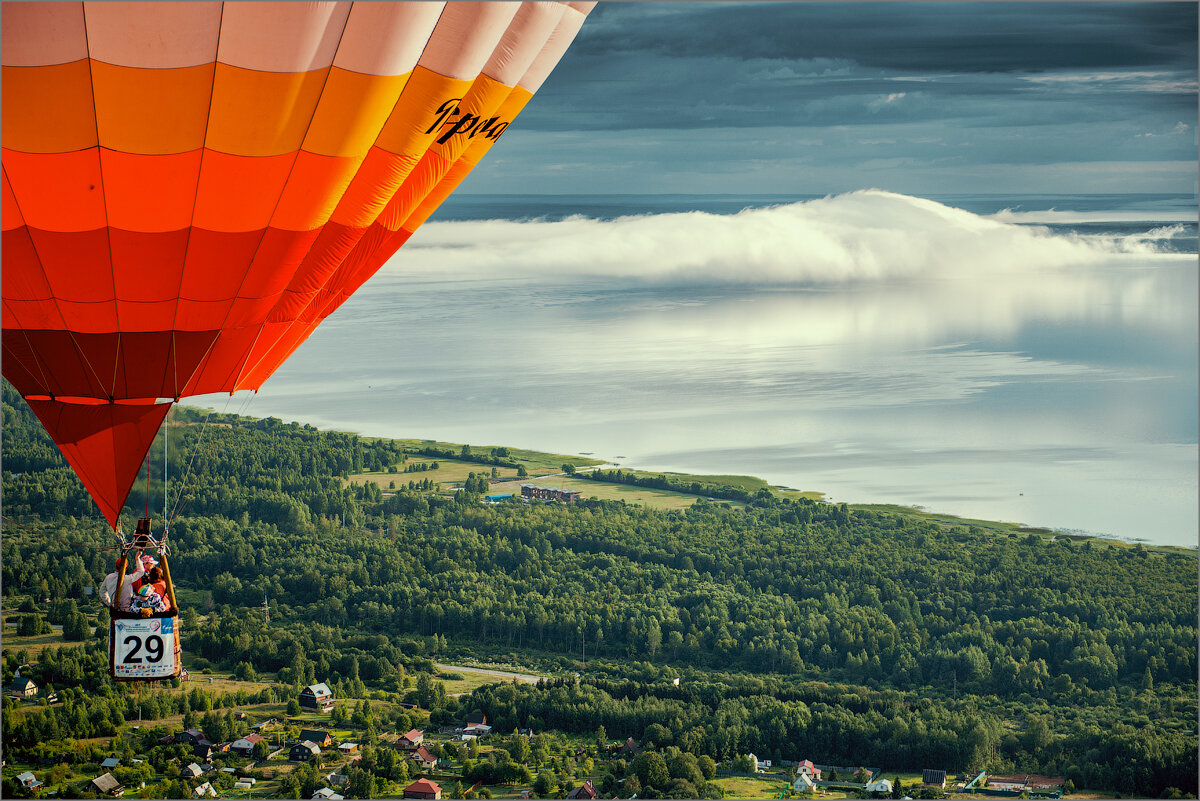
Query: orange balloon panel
(189, 191)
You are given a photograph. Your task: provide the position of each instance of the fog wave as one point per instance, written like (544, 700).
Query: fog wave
(863, 236)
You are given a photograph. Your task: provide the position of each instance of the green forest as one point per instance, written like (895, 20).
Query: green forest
(747, 622)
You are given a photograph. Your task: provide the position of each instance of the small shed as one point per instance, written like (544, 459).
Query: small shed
(348, 748)
(107, 784)
(110, 763)
(934, 778)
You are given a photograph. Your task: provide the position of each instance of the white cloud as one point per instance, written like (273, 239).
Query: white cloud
(863, 236)
(885, 101)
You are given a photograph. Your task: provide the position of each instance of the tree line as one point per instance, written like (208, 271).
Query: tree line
(936, 639)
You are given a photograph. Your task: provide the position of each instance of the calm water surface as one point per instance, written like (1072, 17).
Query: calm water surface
(1024, 359)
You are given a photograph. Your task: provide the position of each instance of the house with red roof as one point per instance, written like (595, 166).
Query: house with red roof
(423, 758)
(423, 788)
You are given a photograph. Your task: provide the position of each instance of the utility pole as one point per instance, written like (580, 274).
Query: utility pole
(584, 632)
(266, 611)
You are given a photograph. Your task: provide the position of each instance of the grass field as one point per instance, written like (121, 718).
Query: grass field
(746, 787)
(656, 499)
(10, 641)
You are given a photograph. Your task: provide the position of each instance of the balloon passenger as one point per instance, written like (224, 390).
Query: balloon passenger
(133, 573)
(150, 592)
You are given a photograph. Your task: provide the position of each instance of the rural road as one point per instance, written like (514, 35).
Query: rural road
(522, 677)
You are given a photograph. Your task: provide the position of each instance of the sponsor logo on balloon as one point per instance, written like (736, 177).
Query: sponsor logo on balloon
(457, 121)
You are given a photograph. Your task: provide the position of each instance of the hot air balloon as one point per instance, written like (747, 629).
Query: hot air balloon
(190, 188)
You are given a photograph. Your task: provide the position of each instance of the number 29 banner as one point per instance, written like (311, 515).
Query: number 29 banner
(144, 649)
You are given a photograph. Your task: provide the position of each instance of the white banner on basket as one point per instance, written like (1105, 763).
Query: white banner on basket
(144, 649)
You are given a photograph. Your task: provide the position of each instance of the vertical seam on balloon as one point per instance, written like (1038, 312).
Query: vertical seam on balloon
(62, 317)
(241, 370)
(87, 42)
(247, 367)
(176, 389)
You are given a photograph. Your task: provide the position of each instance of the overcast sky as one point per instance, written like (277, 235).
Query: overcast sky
(814, 98)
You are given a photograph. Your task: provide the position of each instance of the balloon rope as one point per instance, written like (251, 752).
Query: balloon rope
(187, 473)
(166, 442)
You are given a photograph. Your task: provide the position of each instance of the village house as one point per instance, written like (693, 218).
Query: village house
(423, 788)
(316, 696)
(346, 749)
(203, 750)
(189, 736)
(192, 771)
(1014, 781)
(205, 790)
(317, 736)
(410, 740)
(879, 786)
(28, 780)
(533, 491)
(304, 751)
(22, 687)
(1024, 782)
(110, 763)
(585, 790)
(425, 760)
(804, 783)
(107, 784)
(934, 778)
(326, 794)
(805, 767)
(244, 746)
(1039, 783)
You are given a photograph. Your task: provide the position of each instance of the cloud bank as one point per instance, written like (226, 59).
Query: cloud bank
(868, 236)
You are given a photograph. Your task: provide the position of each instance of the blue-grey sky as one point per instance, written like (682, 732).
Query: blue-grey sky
(814, 97)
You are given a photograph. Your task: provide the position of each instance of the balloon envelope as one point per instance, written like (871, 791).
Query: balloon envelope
(190, 188)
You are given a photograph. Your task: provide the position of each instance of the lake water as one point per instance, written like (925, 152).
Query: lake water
(1024, 359)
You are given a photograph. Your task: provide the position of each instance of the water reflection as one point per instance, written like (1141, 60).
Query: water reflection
(1053, 383)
